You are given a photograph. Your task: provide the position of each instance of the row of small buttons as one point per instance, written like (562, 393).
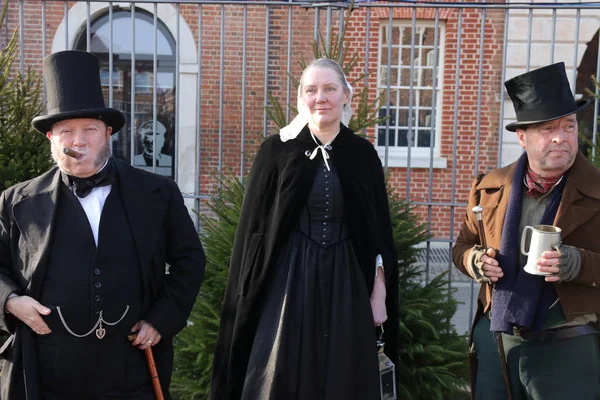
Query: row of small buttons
(326, 234)
(97, 285)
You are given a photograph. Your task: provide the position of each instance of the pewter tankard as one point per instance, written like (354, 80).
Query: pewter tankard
(543, 238)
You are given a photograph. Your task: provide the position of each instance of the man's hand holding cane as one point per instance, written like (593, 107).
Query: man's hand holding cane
(489, 266)
(484, 258)
(145, 336)
(489, 271)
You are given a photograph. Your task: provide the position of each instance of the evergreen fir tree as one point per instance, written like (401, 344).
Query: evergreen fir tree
(433, 356)
(195, 345)
(24, 153)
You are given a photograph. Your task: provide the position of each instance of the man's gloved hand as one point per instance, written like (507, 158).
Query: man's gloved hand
(563, 263)
(484, 268)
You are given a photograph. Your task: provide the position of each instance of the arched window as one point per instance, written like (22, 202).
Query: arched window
(153, 143)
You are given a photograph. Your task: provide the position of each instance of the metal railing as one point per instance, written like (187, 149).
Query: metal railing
(224, 58)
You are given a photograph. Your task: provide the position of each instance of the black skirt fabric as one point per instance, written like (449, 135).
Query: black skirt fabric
(315, 337)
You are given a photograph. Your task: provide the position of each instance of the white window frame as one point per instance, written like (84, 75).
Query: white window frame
(105, 78)
(420, 157)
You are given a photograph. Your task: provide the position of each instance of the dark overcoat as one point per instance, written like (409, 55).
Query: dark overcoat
(277, 188)
(163, 233)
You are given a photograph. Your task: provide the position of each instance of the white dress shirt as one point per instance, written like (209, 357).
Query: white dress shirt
(93, 204)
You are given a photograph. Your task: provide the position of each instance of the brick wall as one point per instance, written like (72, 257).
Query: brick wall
(449, 185)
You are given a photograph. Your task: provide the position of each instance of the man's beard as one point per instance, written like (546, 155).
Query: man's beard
(59, 157)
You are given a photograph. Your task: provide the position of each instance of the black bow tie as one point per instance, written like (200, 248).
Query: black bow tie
(83, 186)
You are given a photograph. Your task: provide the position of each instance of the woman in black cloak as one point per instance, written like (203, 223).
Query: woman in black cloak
(313, 269)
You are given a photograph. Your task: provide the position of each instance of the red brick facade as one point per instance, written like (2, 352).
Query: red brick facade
(459, 128)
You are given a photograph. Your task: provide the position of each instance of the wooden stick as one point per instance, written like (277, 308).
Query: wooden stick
(152, 368)
(477, 210)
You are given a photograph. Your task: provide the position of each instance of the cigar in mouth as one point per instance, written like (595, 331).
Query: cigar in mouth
(72, 153)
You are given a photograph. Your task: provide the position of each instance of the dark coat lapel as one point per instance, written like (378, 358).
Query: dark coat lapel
(34, 214)
(143, 203)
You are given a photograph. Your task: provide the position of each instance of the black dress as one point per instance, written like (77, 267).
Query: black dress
(315, 338)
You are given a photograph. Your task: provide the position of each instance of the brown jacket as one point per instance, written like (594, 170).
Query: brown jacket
(578, 216)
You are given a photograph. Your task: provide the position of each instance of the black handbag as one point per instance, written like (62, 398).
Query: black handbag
(387, 371)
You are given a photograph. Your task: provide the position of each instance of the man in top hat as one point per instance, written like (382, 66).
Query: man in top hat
(537, 334)
(83, 254)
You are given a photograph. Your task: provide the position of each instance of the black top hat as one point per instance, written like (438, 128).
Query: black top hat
(542, 95)
(73, 90)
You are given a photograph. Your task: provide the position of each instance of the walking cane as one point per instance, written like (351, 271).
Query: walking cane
(478, 210)
(152, 368)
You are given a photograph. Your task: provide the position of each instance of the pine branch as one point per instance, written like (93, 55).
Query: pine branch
(24, 153)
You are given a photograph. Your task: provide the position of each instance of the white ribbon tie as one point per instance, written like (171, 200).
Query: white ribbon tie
(323, 148)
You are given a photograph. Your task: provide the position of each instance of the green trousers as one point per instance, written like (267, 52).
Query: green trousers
(562, 369)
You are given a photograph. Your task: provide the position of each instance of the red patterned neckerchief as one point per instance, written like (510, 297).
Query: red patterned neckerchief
(538, 185)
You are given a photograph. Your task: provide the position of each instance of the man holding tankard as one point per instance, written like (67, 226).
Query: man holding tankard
(543, 321)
